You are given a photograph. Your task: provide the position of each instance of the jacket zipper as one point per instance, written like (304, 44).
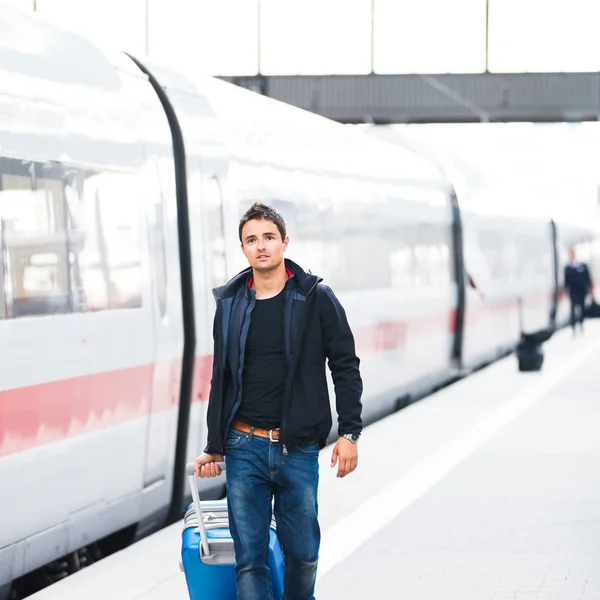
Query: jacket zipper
(286, 334)
(292, 372)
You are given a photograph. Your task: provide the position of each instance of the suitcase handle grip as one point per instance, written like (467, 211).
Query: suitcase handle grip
(189, 469)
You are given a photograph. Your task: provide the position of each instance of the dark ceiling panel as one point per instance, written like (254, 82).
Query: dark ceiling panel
(438, 98)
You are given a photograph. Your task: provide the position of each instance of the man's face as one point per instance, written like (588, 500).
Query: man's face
(572, 254)
(262, 245)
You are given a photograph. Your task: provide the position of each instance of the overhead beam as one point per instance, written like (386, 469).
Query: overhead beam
(438, 98)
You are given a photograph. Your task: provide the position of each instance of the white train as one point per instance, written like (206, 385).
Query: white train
(121, 187)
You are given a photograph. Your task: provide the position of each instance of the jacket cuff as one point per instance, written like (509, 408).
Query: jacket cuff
(213, 450)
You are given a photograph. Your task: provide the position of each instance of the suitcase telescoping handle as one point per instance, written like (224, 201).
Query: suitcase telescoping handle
(196, 497)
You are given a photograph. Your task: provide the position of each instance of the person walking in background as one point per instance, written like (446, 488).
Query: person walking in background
(578, 284)
(269, 412)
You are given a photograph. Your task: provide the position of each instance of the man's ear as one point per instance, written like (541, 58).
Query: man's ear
(286, 241)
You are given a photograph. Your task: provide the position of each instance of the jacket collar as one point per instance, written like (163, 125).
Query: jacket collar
(303, 281)
(251, 278)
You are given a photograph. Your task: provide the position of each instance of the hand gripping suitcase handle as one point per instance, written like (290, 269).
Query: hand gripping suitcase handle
(189, 469)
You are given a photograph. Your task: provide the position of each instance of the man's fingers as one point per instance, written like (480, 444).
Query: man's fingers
(209, 470)
(334, 457)
(343, 468)
(346, 466)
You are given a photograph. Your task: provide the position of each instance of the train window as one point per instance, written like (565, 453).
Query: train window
(3, 270)
(213, 211)
(76, 233)
(107, 250)
(157, 243)
(35, 279)
(402, 267)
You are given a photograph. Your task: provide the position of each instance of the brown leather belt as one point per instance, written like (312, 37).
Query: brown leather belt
(272, 434)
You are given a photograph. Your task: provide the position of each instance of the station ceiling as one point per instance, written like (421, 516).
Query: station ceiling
(452, 98)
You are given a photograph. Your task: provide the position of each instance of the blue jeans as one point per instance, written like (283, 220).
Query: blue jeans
(258, 471)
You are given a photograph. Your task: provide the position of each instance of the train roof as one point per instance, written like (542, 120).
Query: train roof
(291, 136)
(64, 72)
(498, 169)
(66, 99)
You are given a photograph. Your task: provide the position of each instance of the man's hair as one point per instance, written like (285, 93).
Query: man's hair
(261, 211)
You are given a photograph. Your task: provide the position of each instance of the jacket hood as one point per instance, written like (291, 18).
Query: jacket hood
(303, 281)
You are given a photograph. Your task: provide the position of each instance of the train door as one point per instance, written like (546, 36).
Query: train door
(460, 281)
(555, 272)
(215, 265)
(162, 425)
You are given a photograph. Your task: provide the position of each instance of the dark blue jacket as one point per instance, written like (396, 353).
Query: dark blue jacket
(315, 329)
(577, 279)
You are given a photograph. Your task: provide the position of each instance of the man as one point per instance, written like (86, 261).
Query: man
(269, 410)
(578, 284)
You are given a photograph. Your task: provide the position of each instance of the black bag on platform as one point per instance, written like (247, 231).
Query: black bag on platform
(530, 356)
(529, 350)
(592, 311)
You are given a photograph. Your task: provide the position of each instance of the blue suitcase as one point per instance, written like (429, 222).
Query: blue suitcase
(207, 556)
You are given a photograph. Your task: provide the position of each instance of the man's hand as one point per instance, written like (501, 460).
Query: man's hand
(205, 465)
(347, 452)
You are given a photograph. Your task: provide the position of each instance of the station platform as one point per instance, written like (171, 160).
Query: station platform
(487, 489)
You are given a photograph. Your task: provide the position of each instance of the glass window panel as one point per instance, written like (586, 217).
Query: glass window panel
(106, 242)
(119, 216)
(216, 38)
(34, 242)
(111, 22)
(76, 235)
(315, 37)
(158, 251)
(537, 35)
(429, 36)
(90, 270)
(213, 211)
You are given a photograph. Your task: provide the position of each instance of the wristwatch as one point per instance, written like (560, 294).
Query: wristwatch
(353, 437)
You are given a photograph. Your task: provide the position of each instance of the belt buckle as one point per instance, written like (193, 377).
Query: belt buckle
(271, 435)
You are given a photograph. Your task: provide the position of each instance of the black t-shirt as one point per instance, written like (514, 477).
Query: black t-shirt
(263, 380)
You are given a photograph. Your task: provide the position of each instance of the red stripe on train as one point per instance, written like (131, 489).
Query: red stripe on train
(49, 412)
(40, 414)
